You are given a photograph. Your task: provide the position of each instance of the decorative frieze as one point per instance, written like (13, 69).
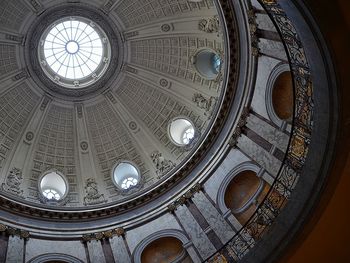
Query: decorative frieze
(185, 197)
(14, 231)
(253, 27)
(104, 234)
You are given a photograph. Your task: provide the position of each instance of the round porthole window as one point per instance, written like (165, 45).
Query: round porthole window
(208, 63)
(126, 175)
(53, 186)
(181, 131)
(74, 52)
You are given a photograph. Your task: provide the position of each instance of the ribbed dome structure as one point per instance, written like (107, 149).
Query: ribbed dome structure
(156, 130)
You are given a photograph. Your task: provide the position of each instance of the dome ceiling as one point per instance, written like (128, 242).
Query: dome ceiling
(204, 121)
(166, 62)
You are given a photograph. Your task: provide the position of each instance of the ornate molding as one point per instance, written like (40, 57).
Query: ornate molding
(185, 197)
(92, 196)
(104, 234)
(207, 104)
(209, 25)
(14, 231)
(239, 128)
(253, 27)
(13, 181)
(163, 166)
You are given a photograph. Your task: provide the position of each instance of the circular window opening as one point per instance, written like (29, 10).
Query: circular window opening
(53, 186)
(208, 63)
(126, 175)
(181, 131)
(74, 52)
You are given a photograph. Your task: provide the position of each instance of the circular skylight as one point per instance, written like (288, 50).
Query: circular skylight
(53, 186)
(74, 52)
(181, 131)
(208, 63)
(126, 175)
(188, 135)
(51, 194)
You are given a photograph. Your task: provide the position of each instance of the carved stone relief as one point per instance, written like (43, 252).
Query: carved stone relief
(206, 104)
(162, 165)
(92, 196)
(13, 182)
(209, 25)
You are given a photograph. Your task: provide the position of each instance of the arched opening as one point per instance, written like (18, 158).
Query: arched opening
(208, 63)
(245, 193)
(181, 131)
(53, 186)
(282, 96)
(165, 249)
(126, 175)
(241, 190)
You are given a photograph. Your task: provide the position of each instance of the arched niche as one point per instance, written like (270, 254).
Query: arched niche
(280, 95)
(165, 249)
(55, 258)
(224, 190)
(241, 190)
(167, 245)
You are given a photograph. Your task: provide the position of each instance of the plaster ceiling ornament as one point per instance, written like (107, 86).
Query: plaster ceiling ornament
(209, 25)
(93, 196)
(13, 182)
(134, 115)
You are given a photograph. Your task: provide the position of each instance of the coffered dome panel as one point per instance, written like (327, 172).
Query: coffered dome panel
(82, 131)
(12, 14)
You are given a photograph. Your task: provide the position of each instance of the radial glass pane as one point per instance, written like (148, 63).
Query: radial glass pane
(73, 49)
